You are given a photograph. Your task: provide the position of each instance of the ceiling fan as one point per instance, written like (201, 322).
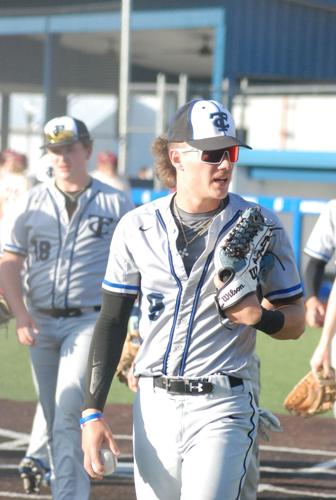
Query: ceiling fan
(205, 49)
(198, 44)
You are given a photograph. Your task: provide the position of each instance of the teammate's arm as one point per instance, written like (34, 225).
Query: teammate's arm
(321, 358)
(315, 309)
(10, 273)
(106, 347)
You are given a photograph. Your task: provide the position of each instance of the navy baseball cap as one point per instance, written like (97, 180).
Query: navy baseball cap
(205, 125)
(64, 130)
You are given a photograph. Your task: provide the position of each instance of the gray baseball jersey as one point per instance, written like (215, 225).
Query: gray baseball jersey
(321, 243)
(179, 325)
(72, 255)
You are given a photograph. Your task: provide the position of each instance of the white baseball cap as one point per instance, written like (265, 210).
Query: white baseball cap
(64, 130)
(205, 125)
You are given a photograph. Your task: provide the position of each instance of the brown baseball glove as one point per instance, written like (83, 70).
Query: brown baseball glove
(130, 349)
(312, 396)
(5, 311)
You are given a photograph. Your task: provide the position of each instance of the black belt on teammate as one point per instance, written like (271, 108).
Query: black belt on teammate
(69, 312)
(195, 386)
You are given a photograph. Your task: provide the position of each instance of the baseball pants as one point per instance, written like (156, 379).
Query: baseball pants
(333, 363)
(38, 440)
(250, 486)
(193, 446)
(59, 361)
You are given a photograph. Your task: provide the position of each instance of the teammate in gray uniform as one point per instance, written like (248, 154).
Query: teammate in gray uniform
(320, 248)
(194, 414)
(60, 238)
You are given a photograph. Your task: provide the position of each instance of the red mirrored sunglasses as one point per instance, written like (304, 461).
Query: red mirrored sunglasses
(216, 156)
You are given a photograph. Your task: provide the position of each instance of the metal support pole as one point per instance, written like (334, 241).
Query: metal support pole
(218, 62)
(126, 6)
(48, 84)
(4, 121)
(161, 95)
(226, 92)
(182, 90)
(160, 116)
(243, 104)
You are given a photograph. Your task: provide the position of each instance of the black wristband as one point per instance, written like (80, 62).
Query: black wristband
(270, 322)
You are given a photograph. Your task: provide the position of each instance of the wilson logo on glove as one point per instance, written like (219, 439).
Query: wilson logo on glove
(237, 258)
(254, 272)
(231, 293)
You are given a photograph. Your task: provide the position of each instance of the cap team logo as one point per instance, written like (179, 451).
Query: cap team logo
(58, 129)
(220, 120)
(59, 133)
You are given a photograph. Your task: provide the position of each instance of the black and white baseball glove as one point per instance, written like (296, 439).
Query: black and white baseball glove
(237, 258)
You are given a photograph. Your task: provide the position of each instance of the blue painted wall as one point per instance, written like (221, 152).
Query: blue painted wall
(273, 39)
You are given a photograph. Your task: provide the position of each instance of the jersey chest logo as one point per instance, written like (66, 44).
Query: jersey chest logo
(100, 225)
(156, 305)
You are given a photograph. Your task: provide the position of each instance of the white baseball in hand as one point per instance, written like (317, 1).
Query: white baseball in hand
(109, 460)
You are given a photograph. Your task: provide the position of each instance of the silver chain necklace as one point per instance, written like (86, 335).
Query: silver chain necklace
(201, 230)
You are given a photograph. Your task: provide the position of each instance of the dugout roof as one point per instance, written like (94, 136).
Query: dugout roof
(262, 40)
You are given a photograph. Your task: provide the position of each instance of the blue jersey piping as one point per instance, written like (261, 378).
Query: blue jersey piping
(66, 304)
(121, 285)
(285, 290)
(198, 292)
(178, 299)
(251, 444)
(59, 247)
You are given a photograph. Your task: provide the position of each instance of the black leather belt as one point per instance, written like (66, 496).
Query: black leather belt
(69, 312)
(190, 386)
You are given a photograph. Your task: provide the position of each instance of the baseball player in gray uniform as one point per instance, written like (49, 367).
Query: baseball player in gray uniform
(59, 241)
(194, 416)
(320, 248)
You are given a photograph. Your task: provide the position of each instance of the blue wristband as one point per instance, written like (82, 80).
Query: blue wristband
(93, 416)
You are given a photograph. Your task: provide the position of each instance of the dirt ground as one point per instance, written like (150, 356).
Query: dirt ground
(299, 463)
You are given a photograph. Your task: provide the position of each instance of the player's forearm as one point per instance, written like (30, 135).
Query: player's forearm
(294, 320)
(11, 283)
(106, 347)
(329, 327)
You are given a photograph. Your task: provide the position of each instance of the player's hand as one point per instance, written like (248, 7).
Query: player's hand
(315, 312)
(26, 329)
(132, 380)
(321, 360)
(94, 435)
(246, 312)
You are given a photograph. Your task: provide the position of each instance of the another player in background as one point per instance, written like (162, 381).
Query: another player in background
(320, 248)
(324, 355)
(14, 182)
(60, 239)
(194, 417)
(106, 170)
